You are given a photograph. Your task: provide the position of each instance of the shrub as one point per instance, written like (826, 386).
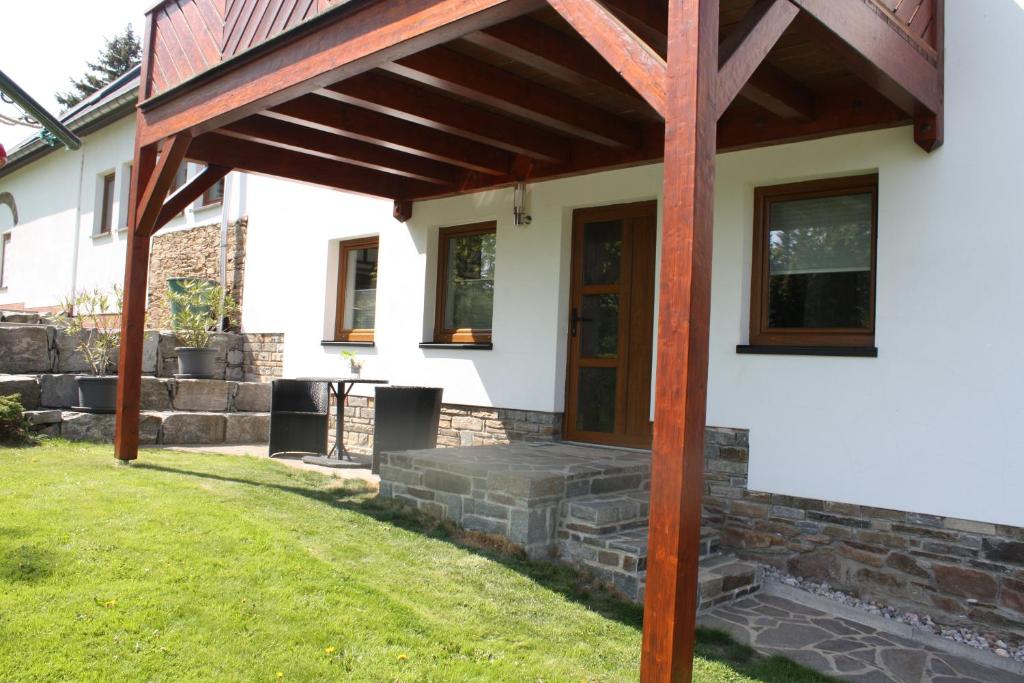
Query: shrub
(14, 428)
(199, 307)
(93, 316)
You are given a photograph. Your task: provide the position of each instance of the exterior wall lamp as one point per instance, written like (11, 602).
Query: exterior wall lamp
(519, 214)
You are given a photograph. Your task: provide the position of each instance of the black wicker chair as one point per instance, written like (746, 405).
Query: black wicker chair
(405, 418)
(299, 417)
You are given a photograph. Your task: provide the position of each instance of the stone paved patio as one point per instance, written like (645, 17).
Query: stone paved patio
(840, 647)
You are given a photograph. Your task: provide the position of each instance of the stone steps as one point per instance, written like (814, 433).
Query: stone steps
(607, 534)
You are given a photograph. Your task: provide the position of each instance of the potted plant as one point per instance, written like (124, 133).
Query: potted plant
(198, 308)
(93, 317)
(355, 365)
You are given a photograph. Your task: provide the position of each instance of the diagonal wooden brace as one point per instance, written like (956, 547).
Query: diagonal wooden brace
(152, 200)
(188, 193)
(746, 47)
(631, 57)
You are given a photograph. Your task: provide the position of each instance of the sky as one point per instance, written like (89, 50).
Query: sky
(43, 44)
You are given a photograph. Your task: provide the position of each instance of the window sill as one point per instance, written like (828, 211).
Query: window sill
(342, 342)
(100, 236)
(848, 351)
(478, 346)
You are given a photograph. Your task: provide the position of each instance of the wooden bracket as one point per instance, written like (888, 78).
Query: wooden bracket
(402, 210)
(635, 60)
(743, 51)
(188, 193)
(152, 200)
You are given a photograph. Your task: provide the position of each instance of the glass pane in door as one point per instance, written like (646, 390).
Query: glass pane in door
(595, 411)
(599, 326)
(602, 250)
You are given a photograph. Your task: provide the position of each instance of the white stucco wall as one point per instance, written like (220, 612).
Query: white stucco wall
(932, 425)
(58, 199)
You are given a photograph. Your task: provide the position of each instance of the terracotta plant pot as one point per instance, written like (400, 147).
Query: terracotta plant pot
(196, 363)
(97, 394)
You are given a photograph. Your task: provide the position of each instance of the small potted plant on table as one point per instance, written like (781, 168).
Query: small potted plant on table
(355, 365)
(199, 308)
(93, 317)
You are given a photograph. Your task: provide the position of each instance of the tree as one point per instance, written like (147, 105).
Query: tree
(118, 56)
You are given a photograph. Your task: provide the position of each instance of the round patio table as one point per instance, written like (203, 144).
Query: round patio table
(340, 388)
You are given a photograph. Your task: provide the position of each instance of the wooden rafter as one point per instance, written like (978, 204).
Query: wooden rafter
(541, 47)
(776, 91)
(214, 148)
(188, 193)
(391, 96)
(743, 51)
(321, 113)
(337, 148)
(500, 90)
(629, 55)
(369, 35)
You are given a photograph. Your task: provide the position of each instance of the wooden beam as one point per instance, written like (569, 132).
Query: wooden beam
(171, 157)
(781, 94)
(847, 111)
(929, 126)
(746, 47)
(352, 38)
(323, 114)
(550, 51)
(631, 57)
(214, 148)
(677, 476)
(337, 148)
(648, 20)
(876, 51)
(493, 87)
(188, 193)
(402, 210)
(394, 97)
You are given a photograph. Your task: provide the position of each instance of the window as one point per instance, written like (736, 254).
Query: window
(5, 258)
(357, 290)
(214, 195)
(465, 284)
(813, 278)
(106, 204)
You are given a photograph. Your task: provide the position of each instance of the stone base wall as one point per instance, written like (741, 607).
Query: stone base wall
(957, 570)
(458, 426)
(193, 253)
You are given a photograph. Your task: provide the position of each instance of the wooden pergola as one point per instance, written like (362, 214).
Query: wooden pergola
(416, 99)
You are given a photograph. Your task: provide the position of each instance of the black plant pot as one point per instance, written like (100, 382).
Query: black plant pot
(196, 363)
(97, 394)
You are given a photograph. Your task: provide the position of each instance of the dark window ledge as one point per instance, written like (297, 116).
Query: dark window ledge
(483, 346)
(328, 342)
(851, 351)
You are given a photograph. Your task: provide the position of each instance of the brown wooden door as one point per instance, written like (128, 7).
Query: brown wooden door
(611, 317)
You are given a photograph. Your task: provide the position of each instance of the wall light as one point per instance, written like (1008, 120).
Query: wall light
(519, 214)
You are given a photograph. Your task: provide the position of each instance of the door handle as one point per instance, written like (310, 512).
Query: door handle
(576, 320)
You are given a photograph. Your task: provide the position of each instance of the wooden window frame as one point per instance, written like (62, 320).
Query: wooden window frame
(462, 335)
(340, 332)
(108, 186)
(205, 201)
(5, 244)
(760, 333)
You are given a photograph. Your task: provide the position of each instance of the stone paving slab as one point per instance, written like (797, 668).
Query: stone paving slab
(841, 647)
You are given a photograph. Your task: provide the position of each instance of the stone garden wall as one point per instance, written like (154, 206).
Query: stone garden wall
(194, 252)
(459, 425)
(40, 348)
(958, 570)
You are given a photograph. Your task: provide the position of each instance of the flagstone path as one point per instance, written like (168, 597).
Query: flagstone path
(839, 647)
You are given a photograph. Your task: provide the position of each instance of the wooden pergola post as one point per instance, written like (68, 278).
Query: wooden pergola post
(677, 477)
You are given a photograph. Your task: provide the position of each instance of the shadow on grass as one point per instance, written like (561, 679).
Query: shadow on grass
(26, 564)
(577, 586)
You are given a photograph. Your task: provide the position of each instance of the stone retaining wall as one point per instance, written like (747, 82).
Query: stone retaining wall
(42, 348)
(459, 425)
(193, 253)
(957, 570)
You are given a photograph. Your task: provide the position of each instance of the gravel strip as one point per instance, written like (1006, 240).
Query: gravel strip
(959, 634)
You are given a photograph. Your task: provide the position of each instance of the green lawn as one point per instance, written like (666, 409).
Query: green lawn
(206, 567)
